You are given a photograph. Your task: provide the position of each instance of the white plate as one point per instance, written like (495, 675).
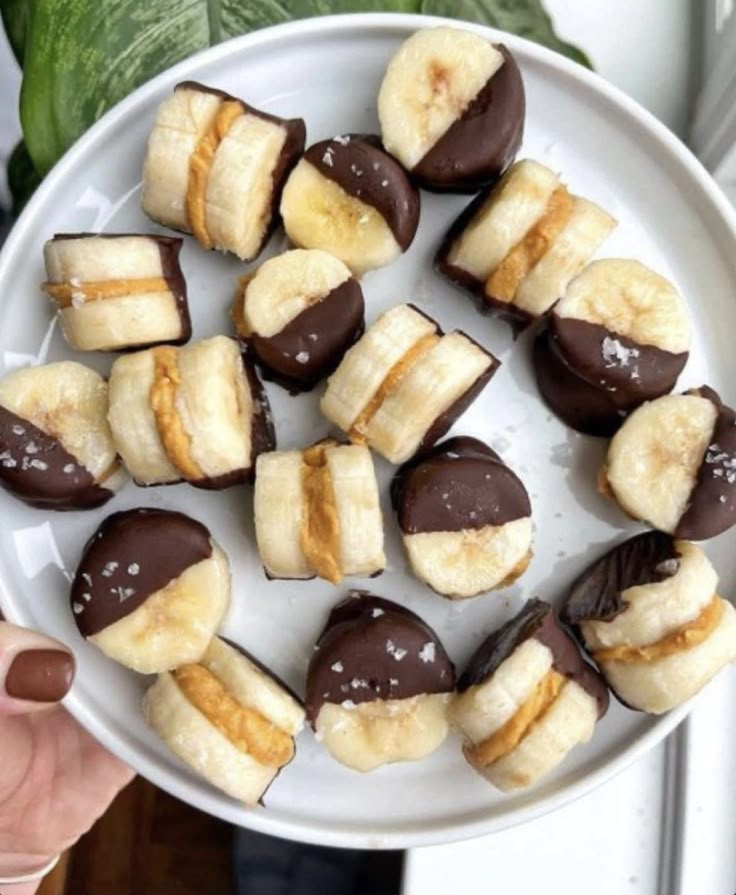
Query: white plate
(671, 216)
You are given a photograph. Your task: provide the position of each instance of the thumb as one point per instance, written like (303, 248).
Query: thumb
(35, 671)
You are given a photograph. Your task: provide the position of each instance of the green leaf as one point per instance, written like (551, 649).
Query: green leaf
(15, 15)
(83, 56)
(527, 18)
(22, 177)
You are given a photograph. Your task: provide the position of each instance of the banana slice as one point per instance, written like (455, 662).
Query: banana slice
(648, 613)
(317, 512)
(526, 699)
(378, 684)
(451, 107)
(151, 589)
(465, 518)
(117, 290)
(197, 413)
(350, 198)
(227, 718)
(404, 383)
(215, 167)
(56, 448)
(517, 247)
(619, 337)
(673, 465)
(298, 314)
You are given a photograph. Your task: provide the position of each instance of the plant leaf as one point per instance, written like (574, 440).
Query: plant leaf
(527, 18)
(22, 177)
(15, 15)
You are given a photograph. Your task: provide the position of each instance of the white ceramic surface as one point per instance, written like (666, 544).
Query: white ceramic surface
(328, 70)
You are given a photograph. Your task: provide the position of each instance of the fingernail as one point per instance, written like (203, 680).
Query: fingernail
(40, 675)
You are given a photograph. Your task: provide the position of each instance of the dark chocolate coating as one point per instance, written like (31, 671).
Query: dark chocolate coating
(364, 170)
(169, 249)
(536, 619)
(337, 321)
(447, 419)
(37, 469)
(479, 146)
(460, 484)
(596, 595)
(582, 406)
(262, 436)
(291, 151)
(366, 647)
(649, 373)
(132, 555)
(485, 303)
(712, 507)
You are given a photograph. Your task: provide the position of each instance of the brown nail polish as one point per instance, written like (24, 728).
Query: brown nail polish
(40, 675)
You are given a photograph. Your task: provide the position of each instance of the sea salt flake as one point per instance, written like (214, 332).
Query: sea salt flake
(337, 667)
(615, 354)
(69, 468)
(110, 567)
(384, 183)
(342, 139)
(376, 165)
(313, 337)
(31, 448)
(7, 461)
(134, 568)
(356, 170)
(393, 681)
(376, 613)
(18, 430)
(86, 597)
(78, 608)
(123, 593)
(359, 684)
(39, 464)
(722, 498)
(396, 651)
(302, 357)
(327, 158)
(427, 652)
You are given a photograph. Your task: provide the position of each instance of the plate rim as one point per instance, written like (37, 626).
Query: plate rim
(171, 780)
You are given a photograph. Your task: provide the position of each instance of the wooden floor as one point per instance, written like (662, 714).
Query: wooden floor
(149, 843)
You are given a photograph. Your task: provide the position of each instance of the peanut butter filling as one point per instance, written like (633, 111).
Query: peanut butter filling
(685, 637)
(390, 382)
(200, 163)
(508, 737)
(162, 397)
(64, 294)
(505, 280)
(246, 728)
(320, 534)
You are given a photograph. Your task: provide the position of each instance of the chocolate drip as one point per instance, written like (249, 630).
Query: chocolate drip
(359, 165)
(372, 648)
(37, 469)
(596, 595)
(479, 146)
(535, 620)
(460, 484)
(712, 506)
(132, 555)
(312, 345)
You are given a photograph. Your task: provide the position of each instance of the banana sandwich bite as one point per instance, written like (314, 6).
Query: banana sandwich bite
(215, 167)
(197, 414)
(620, 336)
(517, 247)
(348, 197)
(526, 699)
(465, 518)
(297, 315)
(56, 448)
(151, 589)
(228, 718)
(117, 290)
(378, 684)
(672, 464)
(405, 382)
(451, 107)
(649, 615)
(317, 513)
